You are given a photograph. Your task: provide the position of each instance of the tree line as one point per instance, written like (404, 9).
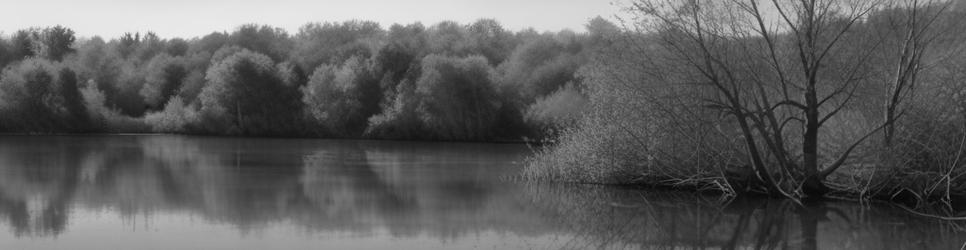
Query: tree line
(447, 81)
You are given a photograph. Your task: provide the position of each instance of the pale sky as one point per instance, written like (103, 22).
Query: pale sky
(191, 18)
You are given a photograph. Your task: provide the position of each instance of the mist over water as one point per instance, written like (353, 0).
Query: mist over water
(178, 192)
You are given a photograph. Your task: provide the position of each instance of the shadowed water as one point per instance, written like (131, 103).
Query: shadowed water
(177, 192)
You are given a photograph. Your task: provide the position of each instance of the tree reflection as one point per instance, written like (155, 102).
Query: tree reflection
(602, 217)
(320, 185)
(344, 191)
(408, 189)
(38, 184)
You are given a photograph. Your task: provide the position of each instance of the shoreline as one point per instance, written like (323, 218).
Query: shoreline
(931, 207)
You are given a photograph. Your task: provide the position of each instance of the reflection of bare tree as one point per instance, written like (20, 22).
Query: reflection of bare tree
(609, 218)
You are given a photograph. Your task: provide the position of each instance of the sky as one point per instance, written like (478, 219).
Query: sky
(193, 18)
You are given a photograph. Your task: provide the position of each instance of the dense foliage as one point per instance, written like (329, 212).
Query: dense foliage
(860, 99)
(447, 81)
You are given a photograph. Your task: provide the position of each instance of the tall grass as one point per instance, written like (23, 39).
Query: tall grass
(627, 137)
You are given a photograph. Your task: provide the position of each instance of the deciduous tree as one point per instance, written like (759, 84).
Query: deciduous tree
(245, 95)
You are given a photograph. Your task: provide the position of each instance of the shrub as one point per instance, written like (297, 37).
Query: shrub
(635, 135)
(175, 118)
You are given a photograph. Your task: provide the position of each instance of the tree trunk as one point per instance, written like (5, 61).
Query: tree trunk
(890, 128)
(814, 185)
(238, 117)
(757, 163)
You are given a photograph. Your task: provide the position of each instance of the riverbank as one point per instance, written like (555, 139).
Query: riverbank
(929, 193)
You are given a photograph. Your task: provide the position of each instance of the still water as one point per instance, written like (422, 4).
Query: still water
(179, 192)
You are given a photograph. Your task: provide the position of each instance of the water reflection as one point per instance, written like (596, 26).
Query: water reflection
(671, 220)
(363, 191)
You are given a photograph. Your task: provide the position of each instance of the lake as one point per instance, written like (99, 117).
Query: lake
(183, 192)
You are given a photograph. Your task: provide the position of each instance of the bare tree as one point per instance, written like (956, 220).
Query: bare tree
(913, 27)
(781, 69)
